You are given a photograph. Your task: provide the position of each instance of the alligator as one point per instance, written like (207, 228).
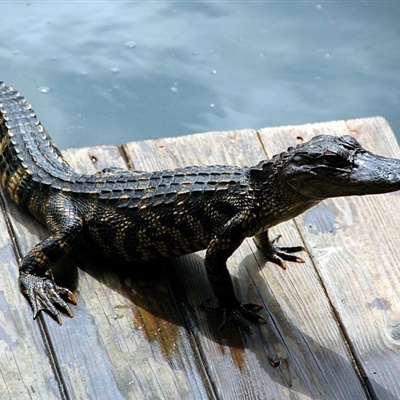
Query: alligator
(140, 216)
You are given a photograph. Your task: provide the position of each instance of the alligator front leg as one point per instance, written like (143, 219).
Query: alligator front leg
(219, 250)
(277, 254)
(36, 279)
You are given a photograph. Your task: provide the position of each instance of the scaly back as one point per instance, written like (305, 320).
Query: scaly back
(29, 160)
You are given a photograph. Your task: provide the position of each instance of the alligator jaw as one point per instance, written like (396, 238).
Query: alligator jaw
(374, 174)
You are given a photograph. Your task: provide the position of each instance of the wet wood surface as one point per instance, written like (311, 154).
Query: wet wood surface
(333, 323)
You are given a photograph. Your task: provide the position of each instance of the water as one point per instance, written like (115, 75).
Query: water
(110, 72)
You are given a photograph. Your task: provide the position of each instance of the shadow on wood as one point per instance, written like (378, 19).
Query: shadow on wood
(332, 323)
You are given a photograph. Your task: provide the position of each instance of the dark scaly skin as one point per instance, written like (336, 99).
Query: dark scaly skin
(151, 215)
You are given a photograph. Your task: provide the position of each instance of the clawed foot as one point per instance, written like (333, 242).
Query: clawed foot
(279, 255)
(44, 294)
(240, 314)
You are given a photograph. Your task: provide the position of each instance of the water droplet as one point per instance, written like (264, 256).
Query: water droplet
(327, 55)
(130, 44)
(44, 89)
(195, 53)
(114, 70)
(174, 87)
(214, 71)
(261, 54)
(212, 105)
(318, 6)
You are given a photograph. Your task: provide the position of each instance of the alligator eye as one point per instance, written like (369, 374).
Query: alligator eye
(350, 141)
(334, 159)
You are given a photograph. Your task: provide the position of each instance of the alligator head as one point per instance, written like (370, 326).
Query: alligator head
(330, 166)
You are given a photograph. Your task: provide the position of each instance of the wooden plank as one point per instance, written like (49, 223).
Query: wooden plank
(27, 367)
(144, 336)
(293, 355)
(115, 346)
(127, 339)
(355, 245)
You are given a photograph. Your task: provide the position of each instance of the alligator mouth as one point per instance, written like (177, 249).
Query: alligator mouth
(374, 174)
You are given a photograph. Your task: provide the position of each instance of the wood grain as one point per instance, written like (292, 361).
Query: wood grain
(26, 371)
(354, 243)
(314, 361)
(137, 345)
(332, 328)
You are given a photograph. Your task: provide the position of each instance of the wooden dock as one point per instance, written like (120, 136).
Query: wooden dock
(333, 323)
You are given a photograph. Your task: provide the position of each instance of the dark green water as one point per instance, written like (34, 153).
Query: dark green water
(111, 71)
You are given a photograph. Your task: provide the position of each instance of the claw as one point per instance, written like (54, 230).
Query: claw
(276, 239)
(72, 298)
(240, 314)
(44, 295)
(58, 318)
(279, 255)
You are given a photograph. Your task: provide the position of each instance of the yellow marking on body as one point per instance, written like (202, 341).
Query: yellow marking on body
(4, 178)
(14, 181)
(41, 258)
(182, 193)
(142, 207)
(181, 203)
(223, 182)
(4, 143)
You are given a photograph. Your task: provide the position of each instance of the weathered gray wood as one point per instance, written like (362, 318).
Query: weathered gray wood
(136, 346)
(142, 335)
(27, 367)
(314, 360)
(355, 245)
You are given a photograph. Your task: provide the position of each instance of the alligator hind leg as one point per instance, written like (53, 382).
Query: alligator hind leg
(277, 254)
(36, 278)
